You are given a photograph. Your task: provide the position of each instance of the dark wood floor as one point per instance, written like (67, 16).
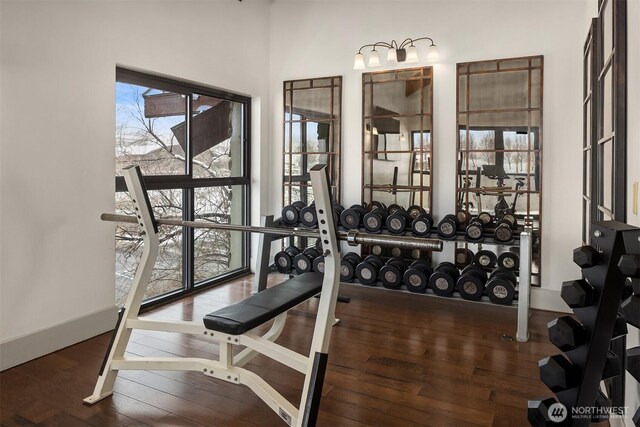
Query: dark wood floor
(396, 359)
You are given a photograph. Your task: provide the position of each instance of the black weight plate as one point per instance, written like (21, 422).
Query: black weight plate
(283, 262)
(393, 208)
(311, 252)
(442, 283)
(318, 264)
(415, 280)
(474, 270)
(474, 231)
(292, 251)
(505, 274)
(298, 204)
(390, 276)
(503, 234)
(510, 218)
(372, 222)
(308, 216)
(500, 291)
(421, 226)
(485, 259)
(347, 271)
(290, 215)
(366, 273)
(374, 260)
(447, 228)
(422, 264)
(379, 205)
(509, 260)
(352, 257)
(470, 287)
(396, 223)
(464, 257)
(302, 263)
(463, 216)
(318, 245)
(448, 268)
(414, 211)
(350, 219)
(400, 263)
(486, 218)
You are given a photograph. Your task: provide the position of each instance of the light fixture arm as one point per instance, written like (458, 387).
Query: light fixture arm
(409, 41)
(383, 44)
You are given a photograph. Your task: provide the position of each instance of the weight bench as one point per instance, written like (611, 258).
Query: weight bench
(234, 325)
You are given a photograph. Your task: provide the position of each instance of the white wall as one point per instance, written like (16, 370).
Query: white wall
(57, 131)
(315, 39)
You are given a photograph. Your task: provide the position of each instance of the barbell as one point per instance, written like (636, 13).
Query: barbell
(352, 237)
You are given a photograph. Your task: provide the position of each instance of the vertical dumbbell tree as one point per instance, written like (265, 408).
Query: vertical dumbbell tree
(595, 299)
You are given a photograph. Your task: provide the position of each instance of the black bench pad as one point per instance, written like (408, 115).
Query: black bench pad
(259, 308)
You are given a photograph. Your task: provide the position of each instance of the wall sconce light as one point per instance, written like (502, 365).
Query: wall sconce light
(403, 52)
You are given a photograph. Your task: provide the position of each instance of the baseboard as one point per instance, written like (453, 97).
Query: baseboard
(549, 300)
(19, 350)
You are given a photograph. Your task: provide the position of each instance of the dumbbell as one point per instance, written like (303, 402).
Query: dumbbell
(501, 286)
(284, 259)
(503, 232)
(566, 333)
(396, 252)
(379, 205)
(303, 262)
(463, 216)
(318, 264)
(348, 265)
(421, 225)
(557, 373)
(291, 213)
(509, 260)
(464, 257)
(367, 270)
(308, 216)
(318, 245)
(612, 366)
(398, 221)
(586, 256)
(392, 208)
(416, 278)
(474, 230)
(486, 218)
(444, 278)
(471, 283)
(391, 273)
(448, 226)
(375, 219)
(351, 218)
(539, 412)
(414, 211)
(578, 293)
(377, 250)
(631, 310)
(485, 259)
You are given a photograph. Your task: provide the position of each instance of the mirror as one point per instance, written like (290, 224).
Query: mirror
(396, 137)
(311, 135)
(499, 121)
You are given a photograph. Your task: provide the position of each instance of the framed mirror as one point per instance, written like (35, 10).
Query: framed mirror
(311, 135)
(499, 120)
(397, 128)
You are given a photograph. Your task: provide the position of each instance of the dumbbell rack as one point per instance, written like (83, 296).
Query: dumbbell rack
(611, 239)
(524, 282)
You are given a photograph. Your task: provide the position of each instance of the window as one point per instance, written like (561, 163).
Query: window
(192, 145)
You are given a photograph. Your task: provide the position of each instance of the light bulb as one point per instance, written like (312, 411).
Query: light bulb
(358, 63)
(374, 60)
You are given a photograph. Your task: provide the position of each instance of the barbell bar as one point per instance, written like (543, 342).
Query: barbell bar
(352, 237)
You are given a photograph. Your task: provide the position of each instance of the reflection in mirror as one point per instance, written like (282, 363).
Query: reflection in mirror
(499, 105)
(311, 135)
(396, 137)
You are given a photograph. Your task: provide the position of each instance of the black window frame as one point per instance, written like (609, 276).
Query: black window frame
(187, 182)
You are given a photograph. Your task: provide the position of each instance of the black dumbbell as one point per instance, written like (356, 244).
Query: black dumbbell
(557, 373)
(308, 216)
(391, 209)
(444, 278)
(503, 232)
(471, 283)
(414, 211)
(398, 221)
(421, 225)
(416, 278)
(566, 333)
(612, 366)
(539, 410)
(501, 286)
(318, 245)
(367, 270)
(448, 226)
(391, 273)
(377, 204)
(291, 213)
(509, 260)
(348, 265)
(337, 210)
(303, 262)
(318, 264)
(586, 256)
(474, 230)
(629, 265)
(463, 216)
(619, 327)
(485, 259)
(601, 413)
(464, 257)
(375, 219)
(351, 218)
(284, 259)
(631, 310)
(486, 218)
(578, 293)
(511, 219)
